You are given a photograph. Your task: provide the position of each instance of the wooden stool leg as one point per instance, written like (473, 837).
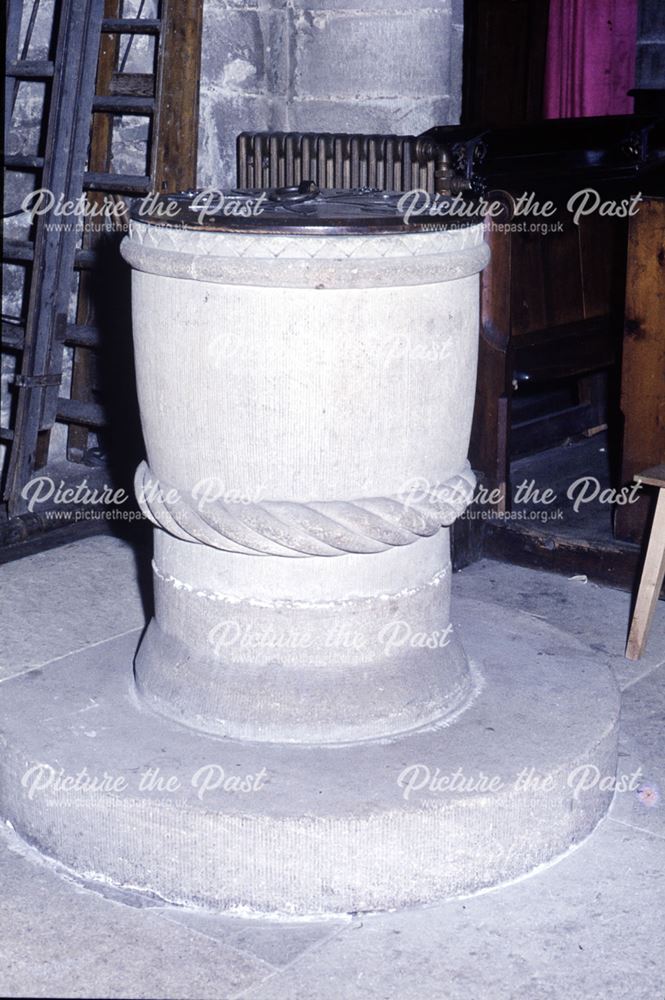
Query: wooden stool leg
(650, 583)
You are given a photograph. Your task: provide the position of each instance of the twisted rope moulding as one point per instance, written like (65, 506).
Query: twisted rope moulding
(315, 528)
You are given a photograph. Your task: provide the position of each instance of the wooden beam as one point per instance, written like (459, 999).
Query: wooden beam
(176, 115)
(643, 360)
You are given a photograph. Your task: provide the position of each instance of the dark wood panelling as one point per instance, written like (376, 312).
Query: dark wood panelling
(504, 61)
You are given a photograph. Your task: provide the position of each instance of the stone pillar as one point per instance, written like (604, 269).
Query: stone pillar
(322, 65)
(306, 404)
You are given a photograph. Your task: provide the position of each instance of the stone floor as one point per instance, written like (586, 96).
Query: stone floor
(591, 927)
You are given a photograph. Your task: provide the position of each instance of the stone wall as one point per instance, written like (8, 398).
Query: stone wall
(651, 44)
(324, 65)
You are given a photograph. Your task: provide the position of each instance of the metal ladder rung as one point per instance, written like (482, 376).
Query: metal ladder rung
(74, 411)
(6, 434)
(18, 250)
(16, 161)
(131, 26)
(30, 69)
(124, 105)
(12, 336)
(79, 335)
(22, 250)
(121, 183)
(132, 85)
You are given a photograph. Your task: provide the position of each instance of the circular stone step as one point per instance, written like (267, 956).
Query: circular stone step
(118, 794)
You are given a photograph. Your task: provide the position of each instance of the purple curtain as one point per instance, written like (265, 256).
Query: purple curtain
(591, 47)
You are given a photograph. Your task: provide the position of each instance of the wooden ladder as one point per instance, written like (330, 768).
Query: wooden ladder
(87, 91)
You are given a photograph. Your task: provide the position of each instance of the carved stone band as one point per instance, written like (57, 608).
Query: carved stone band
(316, 528)
(326, 261)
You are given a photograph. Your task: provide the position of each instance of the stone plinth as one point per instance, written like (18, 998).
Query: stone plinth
(295, 829)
